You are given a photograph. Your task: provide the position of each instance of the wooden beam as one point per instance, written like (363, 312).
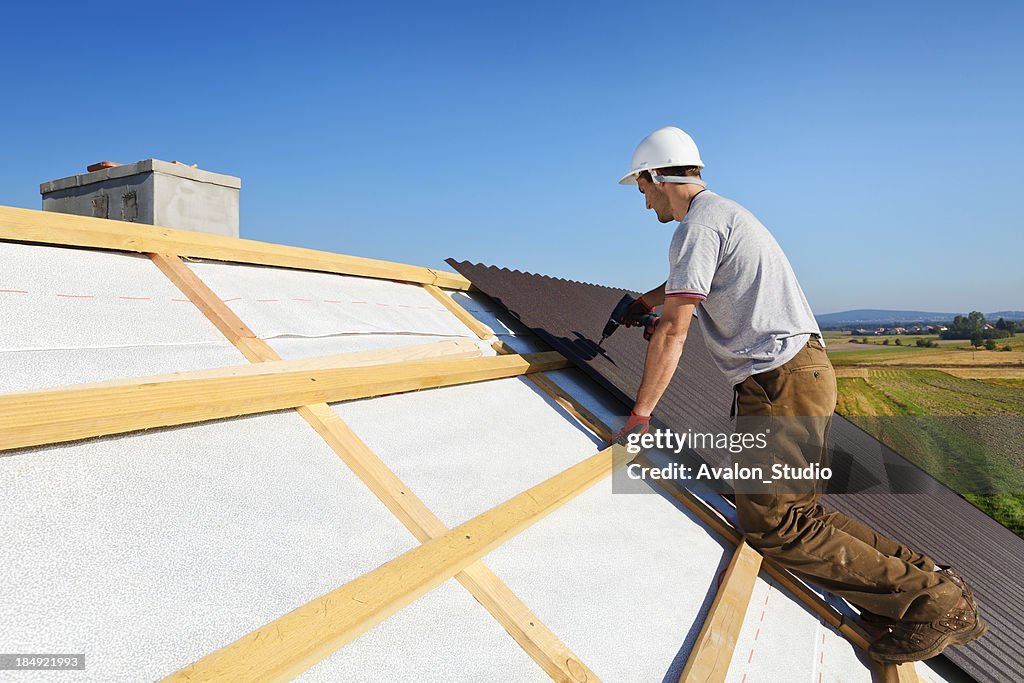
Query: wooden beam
(296, 641)
(464, 316)
(711, 655)
(47, 227)
(455, 348)
(42, 417)
(550, 653)
(197, 291)
(897, 673)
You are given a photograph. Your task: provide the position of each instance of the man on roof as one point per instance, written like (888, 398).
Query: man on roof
(727, 268)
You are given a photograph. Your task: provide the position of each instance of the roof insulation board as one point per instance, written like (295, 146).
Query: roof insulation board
(569, 315)
(276, 301)
(148, 551)
(444, 636)
(70, 316)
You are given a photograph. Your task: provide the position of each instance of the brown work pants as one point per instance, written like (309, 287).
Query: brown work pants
(825, 547)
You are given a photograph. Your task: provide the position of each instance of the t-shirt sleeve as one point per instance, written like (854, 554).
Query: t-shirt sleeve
(693, 259)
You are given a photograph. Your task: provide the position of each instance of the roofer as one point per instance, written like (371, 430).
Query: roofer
(758, 327)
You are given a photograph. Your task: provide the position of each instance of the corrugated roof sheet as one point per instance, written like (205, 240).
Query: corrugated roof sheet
(570, 315)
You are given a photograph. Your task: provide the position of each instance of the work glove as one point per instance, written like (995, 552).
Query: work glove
(636, 313)
(636, 424)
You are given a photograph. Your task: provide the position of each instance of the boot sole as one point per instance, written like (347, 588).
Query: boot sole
(980, 629)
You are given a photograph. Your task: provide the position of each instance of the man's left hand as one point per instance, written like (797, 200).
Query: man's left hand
(636, 424)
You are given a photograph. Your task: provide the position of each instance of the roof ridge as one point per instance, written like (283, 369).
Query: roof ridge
(515, 271)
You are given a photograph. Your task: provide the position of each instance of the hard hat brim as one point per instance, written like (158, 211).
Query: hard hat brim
(630, 178)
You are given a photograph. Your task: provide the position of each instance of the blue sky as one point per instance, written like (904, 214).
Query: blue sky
(881, 143)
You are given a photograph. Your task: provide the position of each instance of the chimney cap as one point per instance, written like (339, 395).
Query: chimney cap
(101, 165)
(144, 166)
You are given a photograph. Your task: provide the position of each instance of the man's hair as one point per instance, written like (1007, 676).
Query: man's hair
(692, 171)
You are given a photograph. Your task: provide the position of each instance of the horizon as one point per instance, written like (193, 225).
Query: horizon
(914, 312)
(883, 161)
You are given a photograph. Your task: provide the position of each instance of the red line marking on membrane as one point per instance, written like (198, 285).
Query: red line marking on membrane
(358, 302)
(295, 299)
(757, 634)
(265, 301)
(77, 296)
(14, 291)
(237, 298)
(185, 300)
(135, 298)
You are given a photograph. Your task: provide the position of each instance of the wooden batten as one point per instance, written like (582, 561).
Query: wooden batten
(47, 227)
(53, 416)
(711, 654)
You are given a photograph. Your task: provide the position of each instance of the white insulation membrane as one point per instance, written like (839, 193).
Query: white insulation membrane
(69, 316)
(275, 302)
(148, 551)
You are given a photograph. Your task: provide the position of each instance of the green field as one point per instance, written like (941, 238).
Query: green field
(962, 430)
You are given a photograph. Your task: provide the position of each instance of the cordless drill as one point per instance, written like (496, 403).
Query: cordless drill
(631, 312)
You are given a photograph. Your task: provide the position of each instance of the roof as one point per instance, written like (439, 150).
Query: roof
(378, 494)
(570, 315)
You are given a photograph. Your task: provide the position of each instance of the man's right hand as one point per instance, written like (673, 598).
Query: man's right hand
(634, 316)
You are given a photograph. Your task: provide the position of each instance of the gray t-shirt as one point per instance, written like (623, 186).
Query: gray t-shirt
(752, 312)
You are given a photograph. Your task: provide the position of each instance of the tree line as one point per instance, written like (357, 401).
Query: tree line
(973, 327)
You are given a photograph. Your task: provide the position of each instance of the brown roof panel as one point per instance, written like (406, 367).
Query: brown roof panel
(570, 315)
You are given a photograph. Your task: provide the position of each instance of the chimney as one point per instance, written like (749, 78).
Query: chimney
(168, 194)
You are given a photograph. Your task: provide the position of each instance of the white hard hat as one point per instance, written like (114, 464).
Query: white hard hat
(663, 148)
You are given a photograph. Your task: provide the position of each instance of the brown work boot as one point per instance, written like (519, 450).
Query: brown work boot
(950, 575)
(876, 620)
(911, 641)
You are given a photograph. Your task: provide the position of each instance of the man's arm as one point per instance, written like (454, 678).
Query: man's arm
(664, 350)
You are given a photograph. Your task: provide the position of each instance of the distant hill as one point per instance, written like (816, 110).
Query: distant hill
(1009, 315)
(877, 317)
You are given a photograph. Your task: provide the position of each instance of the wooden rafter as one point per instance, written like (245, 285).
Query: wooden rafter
(47, 227)
(550, 653)
(464, 316)
(291, 644)
(712, 653)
